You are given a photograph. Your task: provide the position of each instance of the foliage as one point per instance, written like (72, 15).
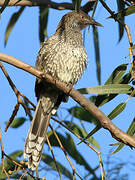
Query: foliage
(118, 83)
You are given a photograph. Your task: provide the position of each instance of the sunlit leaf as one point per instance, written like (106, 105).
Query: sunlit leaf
(17, 122)
(116, 111)
(130, 131)
(107, 89)
(50, 162)
(11, 23)
(82, 114)
(43, 21)
(115, 78)
(82, 133)
(97, 53)
(117, 74)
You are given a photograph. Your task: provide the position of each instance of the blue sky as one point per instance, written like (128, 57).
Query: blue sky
(24, 44)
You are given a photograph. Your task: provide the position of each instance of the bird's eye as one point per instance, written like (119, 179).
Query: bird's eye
(82, 17)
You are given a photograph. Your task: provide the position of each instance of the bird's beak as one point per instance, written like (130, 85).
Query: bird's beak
(93, 22)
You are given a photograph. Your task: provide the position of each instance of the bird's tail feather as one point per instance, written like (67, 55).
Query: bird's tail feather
(37, 132)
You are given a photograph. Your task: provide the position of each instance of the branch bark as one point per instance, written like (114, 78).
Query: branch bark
(50, 4)
(105, 122)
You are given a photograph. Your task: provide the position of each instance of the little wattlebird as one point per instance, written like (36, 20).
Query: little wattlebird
(63, 57)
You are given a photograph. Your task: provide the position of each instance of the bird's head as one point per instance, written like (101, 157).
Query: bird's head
(76, 21)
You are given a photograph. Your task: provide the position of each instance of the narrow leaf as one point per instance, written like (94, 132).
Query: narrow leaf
(82, 114)
(11, 23)
(97, 53)
(130, 131)
(50, 162)
(115, 78)
(121, 6)
(82, 133)
(117, 74)
(77, 4)
(17, 122)
(70, 147)
(43, 21)
(116, 111)
(107, 89)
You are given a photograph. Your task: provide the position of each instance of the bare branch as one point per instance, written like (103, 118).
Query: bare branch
(50, 4)
(2, 157)
(18, 95)
(105, 122)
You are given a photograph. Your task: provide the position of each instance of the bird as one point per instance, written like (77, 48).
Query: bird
(62, 56)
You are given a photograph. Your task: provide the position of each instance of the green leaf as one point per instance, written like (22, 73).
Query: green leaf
(117, 74)
(116, 111)
(121, 6)
(12, 23)
(17, 122)
(70, 147)
(82, 114)
(82, 133)
(43, 21)
(107, 89)
(4, 6)
(97, 53)
(77, 4)
(130, 131)
(50, 162)
(115, 78)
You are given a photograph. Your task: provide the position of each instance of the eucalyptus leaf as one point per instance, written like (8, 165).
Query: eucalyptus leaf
(97, 53)
(115, 78)
(116, 111)
(107, 89)
(43, 21)
(117, 74)
(17, 122)
(50, 162)
(130, 131)
(82, 114)
(82, 133)
(70, 147)
(121, 6)
(12, 23)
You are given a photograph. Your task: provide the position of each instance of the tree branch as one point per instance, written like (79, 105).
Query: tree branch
(105, 122)
(50, 4)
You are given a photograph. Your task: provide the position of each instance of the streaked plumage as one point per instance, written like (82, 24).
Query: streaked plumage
(63, 57)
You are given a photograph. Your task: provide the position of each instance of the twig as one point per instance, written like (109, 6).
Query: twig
(12, 116)
(2, 157)
(50, 4)
(18, 95)
(132, 52)
(105, 122)
(16, 163)
(53, 157)
(61, 146)
(84, 141)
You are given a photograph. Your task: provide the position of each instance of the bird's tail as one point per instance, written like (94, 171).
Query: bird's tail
(37, 132)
